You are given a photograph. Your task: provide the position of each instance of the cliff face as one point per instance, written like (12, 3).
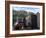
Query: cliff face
(38, 19)
(29, 20)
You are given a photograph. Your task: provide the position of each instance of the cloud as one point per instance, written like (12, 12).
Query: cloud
(28, 9)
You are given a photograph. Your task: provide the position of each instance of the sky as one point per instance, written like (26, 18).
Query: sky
(28, 9)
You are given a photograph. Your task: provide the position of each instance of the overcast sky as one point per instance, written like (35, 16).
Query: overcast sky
(29, 9)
